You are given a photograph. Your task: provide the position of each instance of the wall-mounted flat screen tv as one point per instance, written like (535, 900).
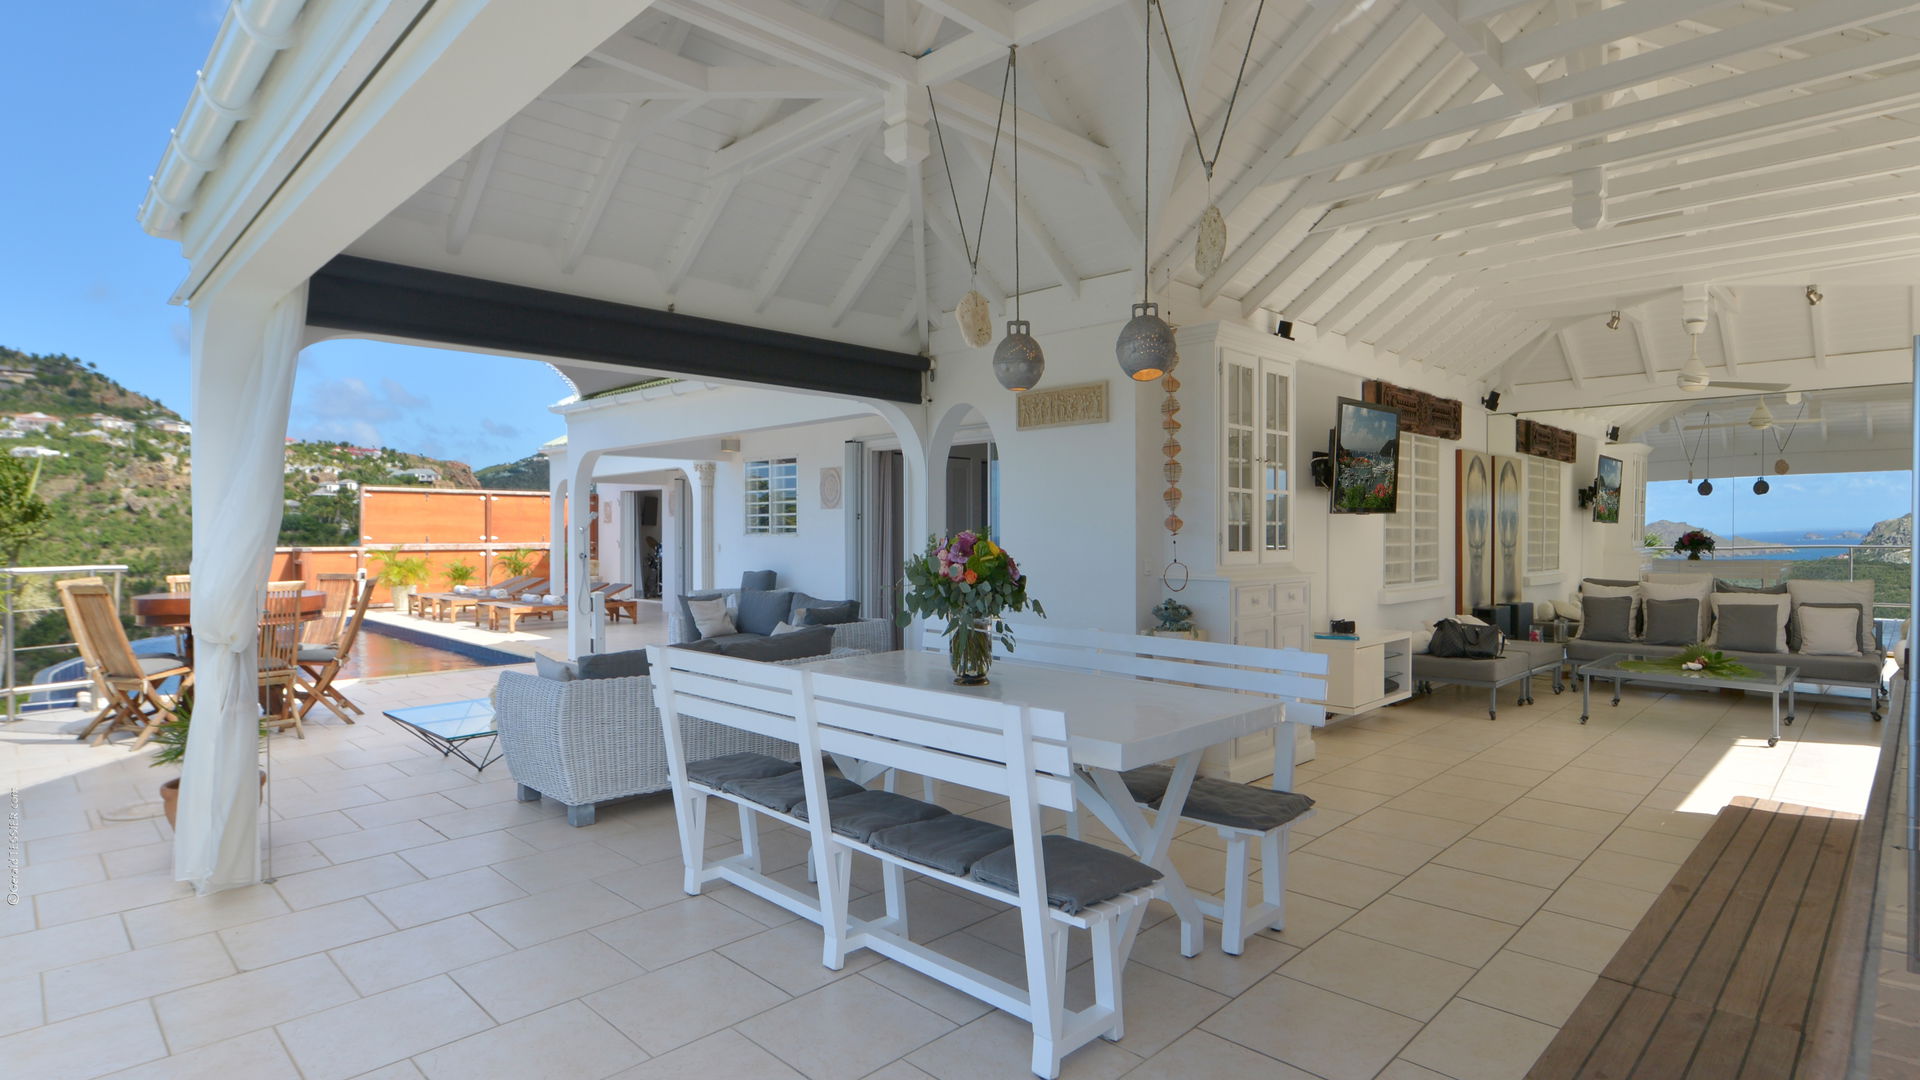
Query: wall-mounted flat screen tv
(1606, 495)
(1366, 459)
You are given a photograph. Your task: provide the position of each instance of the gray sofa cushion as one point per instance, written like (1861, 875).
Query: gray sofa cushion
(1243, 806)
(786, 791)
(822, 612)
(1672, 622)
(1607, 618)
(951, 842)
(552, 667)
(864, 813)
(711, 645)
(716, 772)
(1079, 874)
(812, 641)
(758, 612)
(1750, 628)
(758, 580)
(614, 665)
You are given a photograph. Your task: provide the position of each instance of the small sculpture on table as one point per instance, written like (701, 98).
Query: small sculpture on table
(1176, 620)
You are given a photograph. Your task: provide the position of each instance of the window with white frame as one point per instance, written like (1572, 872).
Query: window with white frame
(773, 496)
(1413, 530)
(1543, 515)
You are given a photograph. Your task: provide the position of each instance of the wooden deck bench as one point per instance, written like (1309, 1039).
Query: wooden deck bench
(1721, 977)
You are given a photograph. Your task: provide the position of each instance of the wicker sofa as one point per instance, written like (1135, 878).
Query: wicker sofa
(587, 741)
(868, 635)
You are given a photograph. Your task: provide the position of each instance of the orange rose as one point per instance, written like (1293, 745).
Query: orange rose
(972, 577)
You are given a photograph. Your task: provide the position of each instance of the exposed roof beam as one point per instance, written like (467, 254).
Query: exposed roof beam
(974, 112)
(1643, 344)
(1730, 350)
(748, 81)
(1888, 367)
(948, 234)
(472, 185)
(642, 57)
(921, 303)
(1109, 179)
(819, 201)
(638, 121)
(1031, 223)
(1605, 25)
(797, 36)
(1038, 20)
(1518, 361)
(713, 203)
(1628, 72)
(1480, 45)
(1574, 373)
(883, 243)
(988, 18)
(813, 126)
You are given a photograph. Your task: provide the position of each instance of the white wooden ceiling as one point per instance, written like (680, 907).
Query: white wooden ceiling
(1406, 172)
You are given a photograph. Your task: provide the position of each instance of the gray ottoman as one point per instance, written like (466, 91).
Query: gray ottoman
(1521, 661)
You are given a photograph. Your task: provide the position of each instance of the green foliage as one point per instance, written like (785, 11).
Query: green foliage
(460, 573)
(24, 515)
(400, 569)
(966, 579)
(519, 561)
(527, 474)
(172, 738)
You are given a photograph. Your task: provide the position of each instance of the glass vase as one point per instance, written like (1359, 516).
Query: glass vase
(970, 650)
(1694, 556)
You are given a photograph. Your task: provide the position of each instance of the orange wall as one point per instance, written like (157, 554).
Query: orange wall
(308, 564)
(436, 516)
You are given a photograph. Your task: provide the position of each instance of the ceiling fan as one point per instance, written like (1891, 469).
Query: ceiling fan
(1693, 377)
(1760, 420)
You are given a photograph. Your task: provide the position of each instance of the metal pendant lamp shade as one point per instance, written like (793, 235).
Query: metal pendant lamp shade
(1018, 362)
(1146, 348)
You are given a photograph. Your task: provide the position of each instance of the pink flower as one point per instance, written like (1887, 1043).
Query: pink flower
(956, 571)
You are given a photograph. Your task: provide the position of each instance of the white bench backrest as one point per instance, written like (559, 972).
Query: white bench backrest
(988, 745)
(765, 699)
(1293, 675)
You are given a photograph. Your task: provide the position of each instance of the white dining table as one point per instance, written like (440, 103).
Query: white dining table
(1113, 724)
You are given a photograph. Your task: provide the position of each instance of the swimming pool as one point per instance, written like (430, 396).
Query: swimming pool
(379, 652)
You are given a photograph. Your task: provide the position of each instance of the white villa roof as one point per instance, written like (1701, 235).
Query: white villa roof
(1388, 174)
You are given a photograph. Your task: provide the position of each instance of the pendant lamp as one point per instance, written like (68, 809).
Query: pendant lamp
(1145, 348)
(1018, 361)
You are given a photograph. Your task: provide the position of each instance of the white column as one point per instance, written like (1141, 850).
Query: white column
(244, 353)
(703, 493)
(579, 550)
(556, 522)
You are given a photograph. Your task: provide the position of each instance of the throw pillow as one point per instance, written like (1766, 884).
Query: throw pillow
(758, 580)
(813, 611)
(1838, 592)
(808, 641)
(710, 618)
(785, 628)
(615, 665)
(1828, 629)
(1422, 638)
(1692, 587)
(1749, 627)
(1673, 622)
(1608, 583)
(759, 612)
(1723, 586)
(552, 667)
(1594, 589)
(1609, 618)
(686, 610)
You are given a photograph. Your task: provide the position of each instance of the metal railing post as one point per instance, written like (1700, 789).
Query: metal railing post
(10, 641)
(10, 613)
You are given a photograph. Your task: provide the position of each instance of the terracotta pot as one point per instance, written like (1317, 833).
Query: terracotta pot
(170, 795)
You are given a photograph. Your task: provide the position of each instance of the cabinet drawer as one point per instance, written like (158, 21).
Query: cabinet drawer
(1290, 599)
(1252, 600)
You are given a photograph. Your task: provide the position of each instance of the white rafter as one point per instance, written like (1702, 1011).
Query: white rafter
(819, 201)
(472, 186)
(812, 127)
(693, 236)
(1032, 225)
(638, 121)
(883, 242)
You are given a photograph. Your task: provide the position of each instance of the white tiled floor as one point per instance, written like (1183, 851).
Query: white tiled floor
(649, 627)
(1462, 882)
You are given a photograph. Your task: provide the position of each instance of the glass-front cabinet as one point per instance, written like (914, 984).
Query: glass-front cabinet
(1256, 455)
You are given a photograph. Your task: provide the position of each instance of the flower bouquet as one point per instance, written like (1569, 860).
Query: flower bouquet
(1693, 542)
(971, 582)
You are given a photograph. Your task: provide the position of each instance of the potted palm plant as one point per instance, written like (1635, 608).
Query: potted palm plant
(460, 573)
(400, 573)
(172, 742)
(519, 561)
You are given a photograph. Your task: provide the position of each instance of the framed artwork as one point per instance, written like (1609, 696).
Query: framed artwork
(1606, 498)
(1509, 528)
(1473, 520)
(1366, 459)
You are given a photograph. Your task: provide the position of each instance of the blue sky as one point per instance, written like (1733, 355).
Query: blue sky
(97, 86)
(1822, 503)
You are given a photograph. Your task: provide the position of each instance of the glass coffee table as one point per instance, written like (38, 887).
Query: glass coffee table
(450, 726)
(1770, 679)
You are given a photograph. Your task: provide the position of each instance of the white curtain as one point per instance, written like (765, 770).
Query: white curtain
(243, 366)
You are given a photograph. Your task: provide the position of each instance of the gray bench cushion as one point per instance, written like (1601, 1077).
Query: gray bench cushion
(1148, 782)
(1243, 806)
(950, 842)
(787, 791)
(1079, 874)
(864, 813)
(715, 772)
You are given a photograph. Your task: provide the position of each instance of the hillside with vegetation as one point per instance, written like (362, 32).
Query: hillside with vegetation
(323, 481)
(527, 474)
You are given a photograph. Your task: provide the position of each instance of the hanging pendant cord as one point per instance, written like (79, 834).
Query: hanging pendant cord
(1013, 72)
(1790, 431)
(1146, 166)
(1200, 151)
(972, 249)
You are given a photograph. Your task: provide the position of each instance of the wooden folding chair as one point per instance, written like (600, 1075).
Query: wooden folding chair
(337, 591)
(179, 583)
(89, 657)
(278, 658)
(131, 682)
(320, 663)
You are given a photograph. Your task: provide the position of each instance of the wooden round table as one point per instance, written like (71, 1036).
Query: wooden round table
(174, 610)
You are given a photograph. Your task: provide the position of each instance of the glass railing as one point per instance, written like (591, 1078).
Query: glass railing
(1769, 564)
(28, 594)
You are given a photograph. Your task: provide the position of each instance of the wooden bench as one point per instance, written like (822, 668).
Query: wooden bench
(1719, 978)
